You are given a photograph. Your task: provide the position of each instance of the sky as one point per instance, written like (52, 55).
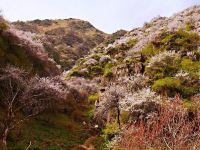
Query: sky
(106, 15)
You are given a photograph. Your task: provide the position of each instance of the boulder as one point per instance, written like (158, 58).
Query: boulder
(91, 62)
(84, 72)
(144, 110)
(104, 59)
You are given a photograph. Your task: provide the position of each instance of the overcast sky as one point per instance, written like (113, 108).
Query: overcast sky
(106, 15)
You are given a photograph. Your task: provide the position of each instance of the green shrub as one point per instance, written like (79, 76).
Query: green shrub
(95, 70)
(190, 66)
(183, 41)
(110, 131)
(80, 61)
(73, 72)
(168, 84)
(179, 41)
(160, 68)
(91, 112)
(149, 50)
(189, 89)
(189, 26)
(94, 97)
(132, 42)
(127, 61)
(189, 104)
(107, 70)
(122, 47)
(96, 57)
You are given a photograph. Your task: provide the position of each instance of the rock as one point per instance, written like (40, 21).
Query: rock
(84, 72)
(144, 110)
(91, 62)
(104, 59)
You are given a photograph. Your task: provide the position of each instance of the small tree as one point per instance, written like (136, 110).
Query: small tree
(22, 98)
(12, 85)
(111, 100)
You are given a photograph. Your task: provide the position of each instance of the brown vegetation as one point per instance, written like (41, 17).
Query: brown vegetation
(173, 127)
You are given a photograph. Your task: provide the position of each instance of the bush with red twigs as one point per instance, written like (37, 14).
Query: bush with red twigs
(174, 127)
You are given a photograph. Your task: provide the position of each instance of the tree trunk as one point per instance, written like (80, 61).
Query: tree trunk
(118, 117)
(108, 116)
(4, 139)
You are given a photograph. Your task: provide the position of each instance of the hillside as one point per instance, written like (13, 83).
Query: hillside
(130, 90)
(19, 49)
(65, 40)
(148, 77)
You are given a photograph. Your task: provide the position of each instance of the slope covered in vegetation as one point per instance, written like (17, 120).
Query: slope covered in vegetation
(19, 49)
(65, 40)
(137, 91)
(149, 78)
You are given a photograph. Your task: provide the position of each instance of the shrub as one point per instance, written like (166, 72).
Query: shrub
(110, 131)
(107, 70)
(189, 77)
(190, 66)
(52, 53)
(189, 105)
(125, 117)
(73, 72)
(140, 97)
(189, 26)
(181, 41)
(149, 50)
(96, 57)
(168, 84)
(94, 97)
(163, 65)
(95, 70)
(21, 50)
(24, 97)
(167, 37)
(122, 47)
(132, 42)
(3, 24)
(172, 128)
(90, 113)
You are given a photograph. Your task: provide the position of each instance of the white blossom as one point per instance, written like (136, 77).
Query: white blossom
(138, 97)
(166, 55)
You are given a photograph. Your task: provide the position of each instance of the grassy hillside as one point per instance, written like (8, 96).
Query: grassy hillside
(53, 131)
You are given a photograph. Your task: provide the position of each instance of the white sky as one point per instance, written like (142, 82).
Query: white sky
(107, 15)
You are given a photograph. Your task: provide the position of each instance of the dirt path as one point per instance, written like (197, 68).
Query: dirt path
(87, 145)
